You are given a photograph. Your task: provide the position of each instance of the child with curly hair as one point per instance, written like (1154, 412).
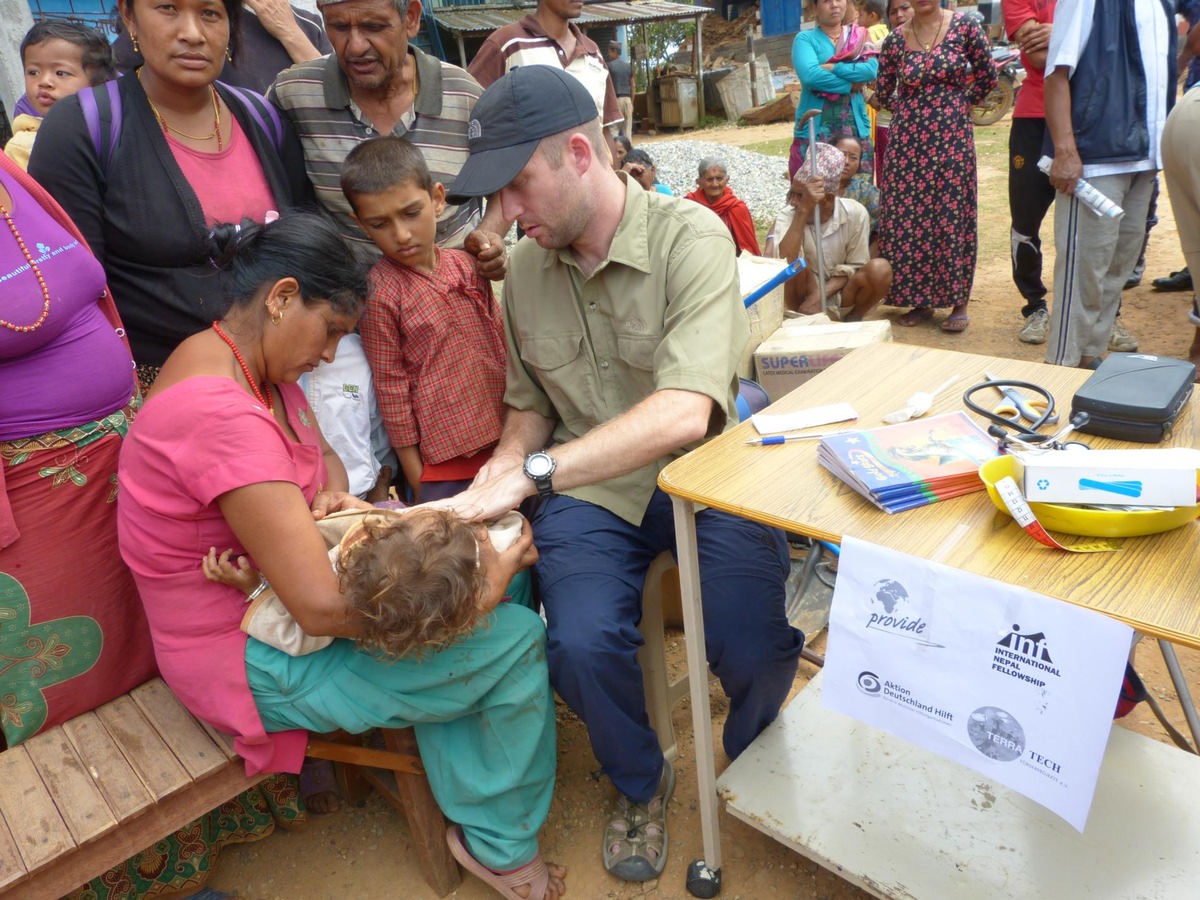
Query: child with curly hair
(416, 579)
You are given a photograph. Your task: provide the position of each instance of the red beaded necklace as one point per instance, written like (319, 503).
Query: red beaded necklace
(265, 401)
(37, 273)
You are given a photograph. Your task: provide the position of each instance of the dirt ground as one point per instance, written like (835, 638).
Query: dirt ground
(366, 852)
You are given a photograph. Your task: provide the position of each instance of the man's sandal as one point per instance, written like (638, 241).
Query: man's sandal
(533, 874)
(635, 840)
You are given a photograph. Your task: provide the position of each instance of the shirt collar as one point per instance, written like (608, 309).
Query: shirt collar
(429, 84)
(531, 24)
(629, 243)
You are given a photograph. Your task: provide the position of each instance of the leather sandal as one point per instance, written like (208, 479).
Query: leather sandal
(635, 839)
(533, 874)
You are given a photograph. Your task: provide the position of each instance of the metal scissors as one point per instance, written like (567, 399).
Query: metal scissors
(1016, 406)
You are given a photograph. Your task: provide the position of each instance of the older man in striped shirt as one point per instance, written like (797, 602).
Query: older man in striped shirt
(376, 83)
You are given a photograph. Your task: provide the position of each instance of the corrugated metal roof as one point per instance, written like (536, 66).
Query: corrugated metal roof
(486, 19)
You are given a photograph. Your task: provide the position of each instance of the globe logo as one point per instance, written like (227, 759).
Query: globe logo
(1043, 483)
(888, 593)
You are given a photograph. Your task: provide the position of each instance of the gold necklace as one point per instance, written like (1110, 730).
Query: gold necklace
(925, 45)
(37, 273)
(215, 133)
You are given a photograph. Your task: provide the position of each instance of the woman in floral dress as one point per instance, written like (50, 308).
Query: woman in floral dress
(931, 72)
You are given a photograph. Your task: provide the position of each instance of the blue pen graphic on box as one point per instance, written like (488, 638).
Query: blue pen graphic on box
(1123, 488)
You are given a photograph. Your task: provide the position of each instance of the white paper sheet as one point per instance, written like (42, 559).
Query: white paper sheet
(777, 423)
(1013, 684)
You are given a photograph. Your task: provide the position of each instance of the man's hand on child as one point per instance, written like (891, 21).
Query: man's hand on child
(224, 570)
(491, 258)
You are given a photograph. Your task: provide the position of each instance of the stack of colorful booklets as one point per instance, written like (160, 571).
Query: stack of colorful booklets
(912, 464)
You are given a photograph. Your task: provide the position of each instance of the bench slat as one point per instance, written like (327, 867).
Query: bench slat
(224, 742)
(182, 733)
(12, 867)
(149, 756)
(70, 785)
(25, 804)
(122, 789)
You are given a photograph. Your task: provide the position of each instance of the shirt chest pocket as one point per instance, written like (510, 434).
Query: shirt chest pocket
(565, 373)
(638, 352)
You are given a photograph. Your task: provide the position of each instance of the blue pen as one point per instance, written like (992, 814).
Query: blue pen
(771, 439)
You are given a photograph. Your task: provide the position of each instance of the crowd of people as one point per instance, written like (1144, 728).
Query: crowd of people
(249, 289)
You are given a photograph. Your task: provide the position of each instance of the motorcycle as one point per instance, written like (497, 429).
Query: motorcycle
(1010, 73)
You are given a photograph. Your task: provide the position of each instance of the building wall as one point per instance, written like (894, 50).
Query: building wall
(15, 20)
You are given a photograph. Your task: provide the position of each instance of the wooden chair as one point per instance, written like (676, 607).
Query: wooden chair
(399, 776)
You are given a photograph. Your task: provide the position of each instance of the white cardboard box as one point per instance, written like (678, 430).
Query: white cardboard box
(766, 315)
(1160, 477)
(798, 351)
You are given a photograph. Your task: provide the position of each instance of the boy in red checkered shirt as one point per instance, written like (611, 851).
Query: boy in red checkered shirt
(432, 329)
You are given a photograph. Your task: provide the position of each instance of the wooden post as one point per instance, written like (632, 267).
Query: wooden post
(462, 49)
(698, 48)
(754, 98)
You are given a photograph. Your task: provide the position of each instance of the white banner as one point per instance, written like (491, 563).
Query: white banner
(1013, 684)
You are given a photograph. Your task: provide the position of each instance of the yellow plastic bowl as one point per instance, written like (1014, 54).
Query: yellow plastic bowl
(1087, 522)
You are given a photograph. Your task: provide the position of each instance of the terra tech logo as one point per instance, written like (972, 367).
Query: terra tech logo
(1025, 657)
(996, 734)
(889, 612)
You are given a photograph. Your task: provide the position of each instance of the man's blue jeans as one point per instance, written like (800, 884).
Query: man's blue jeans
(590, 573)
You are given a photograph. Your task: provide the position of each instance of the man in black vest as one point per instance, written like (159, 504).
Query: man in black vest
(1110, 82)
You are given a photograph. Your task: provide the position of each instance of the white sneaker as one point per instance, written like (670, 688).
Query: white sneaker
(1034, 330)
(1121, 340)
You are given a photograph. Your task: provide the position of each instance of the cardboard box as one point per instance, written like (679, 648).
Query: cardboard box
(766, 315)
(799, 350)
(1163, 477)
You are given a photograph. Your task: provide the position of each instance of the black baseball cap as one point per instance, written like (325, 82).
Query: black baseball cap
(510, 118)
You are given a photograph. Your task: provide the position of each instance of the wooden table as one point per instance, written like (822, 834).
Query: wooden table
(1150, 584)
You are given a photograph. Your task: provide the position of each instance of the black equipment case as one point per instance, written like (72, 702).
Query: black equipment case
(1134, 396)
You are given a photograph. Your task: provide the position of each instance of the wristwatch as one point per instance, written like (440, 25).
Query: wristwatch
(539, 467)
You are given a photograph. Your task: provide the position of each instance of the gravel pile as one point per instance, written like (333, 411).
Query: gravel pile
(758, 179)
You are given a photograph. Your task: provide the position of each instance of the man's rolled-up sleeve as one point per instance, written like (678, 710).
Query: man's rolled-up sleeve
(705, 329)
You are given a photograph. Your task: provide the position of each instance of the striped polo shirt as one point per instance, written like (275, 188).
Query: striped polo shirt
(526, 43)
(316, 99)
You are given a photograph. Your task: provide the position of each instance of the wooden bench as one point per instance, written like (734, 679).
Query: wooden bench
(85, 796)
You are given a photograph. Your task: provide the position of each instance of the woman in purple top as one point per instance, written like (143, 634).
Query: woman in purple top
(72, 631)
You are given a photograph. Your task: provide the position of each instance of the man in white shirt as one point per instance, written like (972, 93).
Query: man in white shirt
(854, 282)
(1110, 81)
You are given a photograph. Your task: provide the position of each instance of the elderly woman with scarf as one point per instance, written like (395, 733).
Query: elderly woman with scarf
(713, 191)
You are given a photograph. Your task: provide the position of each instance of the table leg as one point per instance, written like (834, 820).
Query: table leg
(704, 876)
(1181, 690)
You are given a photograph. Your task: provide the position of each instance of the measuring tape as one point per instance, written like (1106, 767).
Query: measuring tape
(1023, 516)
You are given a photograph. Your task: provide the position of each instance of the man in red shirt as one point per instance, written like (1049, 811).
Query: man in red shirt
(1030, 195)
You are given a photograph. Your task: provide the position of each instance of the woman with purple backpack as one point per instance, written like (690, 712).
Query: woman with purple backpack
(147, 164)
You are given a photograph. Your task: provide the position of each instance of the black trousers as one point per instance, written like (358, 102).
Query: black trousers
(1030, 196)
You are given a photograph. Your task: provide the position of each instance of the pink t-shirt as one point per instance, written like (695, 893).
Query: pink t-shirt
(231, 184)
(196, 440)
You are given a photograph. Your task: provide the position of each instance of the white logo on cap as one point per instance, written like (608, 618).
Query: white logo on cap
(474, 130)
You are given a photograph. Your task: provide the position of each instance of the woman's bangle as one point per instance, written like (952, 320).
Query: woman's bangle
(263, 586)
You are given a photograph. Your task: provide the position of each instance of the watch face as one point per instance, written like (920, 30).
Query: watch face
(539, 465)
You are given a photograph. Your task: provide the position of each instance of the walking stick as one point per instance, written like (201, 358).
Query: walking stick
(810, 117)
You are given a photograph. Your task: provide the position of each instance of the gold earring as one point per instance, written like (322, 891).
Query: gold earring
(135, 44)
(278, 318)
(228, 55)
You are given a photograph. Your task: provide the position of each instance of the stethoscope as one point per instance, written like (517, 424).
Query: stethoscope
(1014, 431)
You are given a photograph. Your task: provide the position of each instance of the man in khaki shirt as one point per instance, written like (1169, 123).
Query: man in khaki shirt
(624, 327)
